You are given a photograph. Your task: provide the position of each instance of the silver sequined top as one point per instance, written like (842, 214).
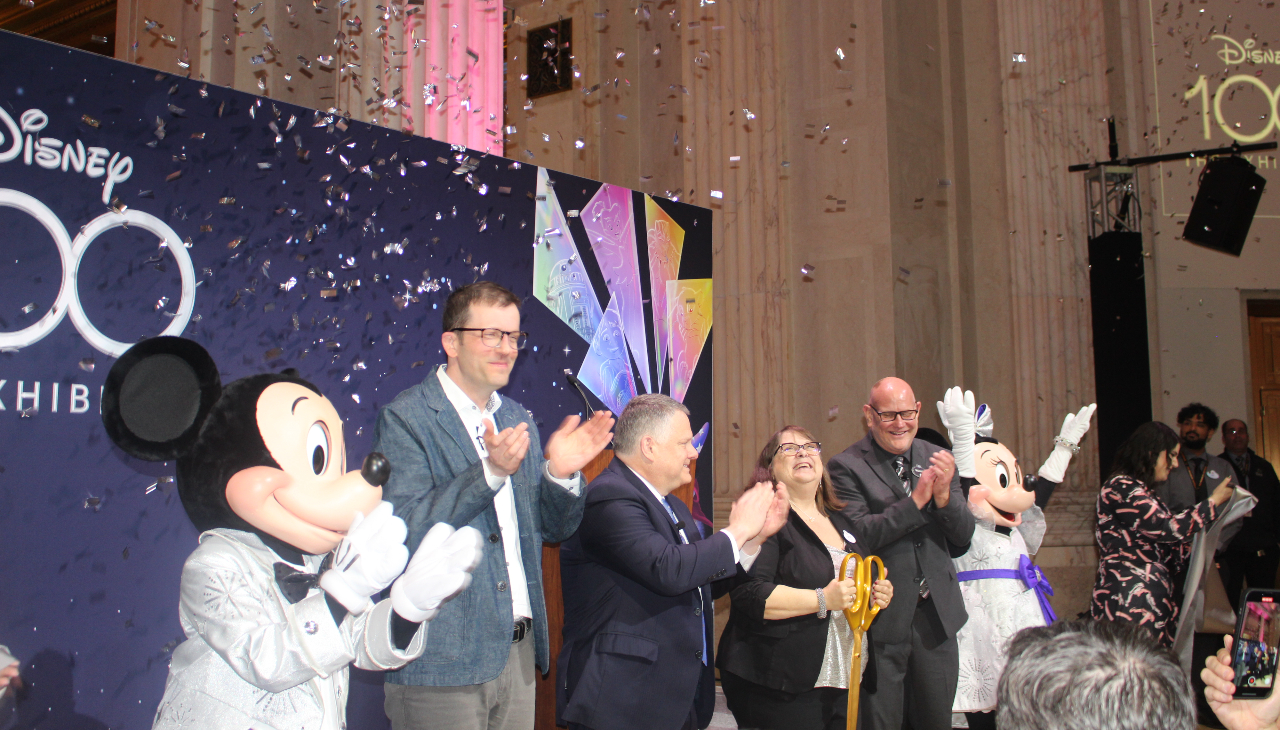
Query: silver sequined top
(835, 661)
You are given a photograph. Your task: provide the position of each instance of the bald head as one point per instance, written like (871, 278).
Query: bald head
(890, 389)
(894, 398)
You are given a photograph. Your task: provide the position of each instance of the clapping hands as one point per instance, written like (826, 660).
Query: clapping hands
(935, 482)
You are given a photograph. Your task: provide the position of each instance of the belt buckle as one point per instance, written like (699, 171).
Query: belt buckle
(520, 629)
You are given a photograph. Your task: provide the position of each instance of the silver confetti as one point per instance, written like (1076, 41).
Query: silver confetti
(807, 269)
(87, 364)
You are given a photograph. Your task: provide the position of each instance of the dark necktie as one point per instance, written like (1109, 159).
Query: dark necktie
(1197, 478)
(685, 540)
(900, 468)
(1242, 466)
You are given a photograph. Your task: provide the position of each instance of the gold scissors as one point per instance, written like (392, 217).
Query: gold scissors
(859, 615)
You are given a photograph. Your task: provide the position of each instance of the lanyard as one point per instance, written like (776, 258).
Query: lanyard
(1196, 484)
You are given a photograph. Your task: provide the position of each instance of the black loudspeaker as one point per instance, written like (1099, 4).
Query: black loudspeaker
(1224, 206)
(1121, 368)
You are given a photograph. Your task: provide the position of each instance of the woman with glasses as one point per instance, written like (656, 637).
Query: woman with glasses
(1139, 541)
(784, 655)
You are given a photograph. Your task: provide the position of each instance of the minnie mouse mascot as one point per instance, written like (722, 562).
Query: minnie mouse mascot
(1004, 592)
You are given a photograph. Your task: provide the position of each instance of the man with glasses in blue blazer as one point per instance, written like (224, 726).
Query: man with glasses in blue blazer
(463, 455)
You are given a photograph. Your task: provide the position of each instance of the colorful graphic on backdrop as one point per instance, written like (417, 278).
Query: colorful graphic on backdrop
(559, 279)
(611, 228)
(666, 243)
(607, 370)
(689, 322)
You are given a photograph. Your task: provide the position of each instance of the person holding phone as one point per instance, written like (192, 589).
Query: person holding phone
(1220, 690)
(1140, 542)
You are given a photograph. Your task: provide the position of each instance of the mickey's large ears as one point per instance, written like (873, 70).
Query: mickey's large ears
(157, 395)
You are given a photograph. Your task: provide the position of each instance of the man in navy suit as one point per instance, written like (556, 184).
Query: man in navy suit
(639, 581)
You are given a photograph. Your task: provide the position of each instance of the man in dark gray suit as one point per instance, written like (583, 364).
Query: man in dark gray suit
(905, 500)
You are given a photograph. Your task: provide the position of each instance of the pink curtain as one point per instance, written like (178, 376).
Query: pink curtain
(453, 72)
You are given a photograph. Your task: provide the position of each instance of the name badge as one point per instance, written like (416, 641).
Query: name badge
(848, 538)
(1211, 474)
(917, 470)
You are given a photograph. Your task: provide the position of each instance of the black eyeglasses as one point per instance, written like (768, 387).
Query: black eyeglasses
(813, 447)
(492, 336)
(891, 416)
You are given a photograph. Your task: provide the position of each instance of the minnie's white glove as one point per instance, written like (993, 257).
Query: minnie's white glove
(956, 410)
(1074, 427)
(368, 559)
(440, 569)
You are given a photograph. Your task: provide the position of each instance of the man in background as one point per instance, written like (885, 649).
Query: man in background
(1253, 556)
(1198, 471)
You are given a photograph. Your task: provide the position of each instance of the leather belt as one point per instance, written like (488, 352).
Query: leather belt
(520, 628)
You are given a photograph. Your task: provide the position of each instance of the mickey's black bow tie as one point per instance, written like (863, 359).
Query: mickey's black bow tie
(295, 584)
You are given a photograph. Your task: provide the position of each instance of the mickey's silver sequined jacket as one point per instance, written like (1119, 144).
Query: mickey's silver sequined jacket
(252, 659)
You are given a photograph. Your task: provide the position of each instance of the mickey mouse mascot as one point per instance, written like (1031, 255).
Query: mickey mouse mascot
(1003, 591)
(276, 599)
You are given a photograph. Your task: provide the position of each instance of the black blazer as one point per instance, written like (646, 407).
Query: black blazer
(910, 541)
(1258, 530)
(633, 614)
(783, 654)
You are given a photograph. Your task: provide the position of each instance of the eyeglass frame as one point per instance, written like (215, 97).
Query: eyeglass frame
(799, 447)
(513, 337)
(895, 415)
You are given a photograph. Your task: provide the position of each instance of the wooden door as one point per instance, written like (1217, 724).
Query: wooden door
(545, 710)
(1264, 349)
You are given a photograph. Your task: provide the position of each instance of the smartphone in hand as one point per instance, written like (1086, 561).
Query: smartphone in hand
(1256, 648)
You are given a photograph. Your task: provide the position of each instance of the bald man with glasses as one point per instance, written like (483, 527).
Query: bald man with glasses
(905, 500)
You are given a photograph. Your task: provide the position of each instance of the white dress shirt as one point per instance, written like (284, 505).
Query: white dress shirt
(504, 502)
(746, 561)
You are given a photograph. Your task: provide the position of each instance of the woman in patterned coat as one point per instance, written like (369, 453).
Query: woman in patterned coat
(1140, 543)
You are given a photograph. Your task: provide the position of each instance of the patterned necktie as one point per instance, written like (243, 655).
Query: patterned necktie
(685, 540)
(900, 468)
(1242, 466)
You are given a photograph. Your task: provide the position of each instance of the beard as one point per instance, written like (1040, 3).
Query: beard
(1195, 443)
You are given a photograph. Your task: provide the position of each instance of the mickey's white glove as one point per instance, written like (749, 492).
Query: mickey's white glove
(956, 410)
(1074, 427)
(368, 559)
(440, 569)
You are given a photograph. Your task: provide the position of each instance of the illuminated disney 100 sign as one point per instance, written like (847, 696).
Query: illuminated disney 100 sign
(1233, 52)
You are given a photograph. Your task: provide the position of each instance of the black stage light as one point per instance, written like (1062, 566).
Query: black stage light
(1224, 206)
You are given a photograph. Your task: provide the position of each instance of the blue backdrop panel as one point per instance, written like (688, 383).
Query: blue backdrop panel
(313, 242)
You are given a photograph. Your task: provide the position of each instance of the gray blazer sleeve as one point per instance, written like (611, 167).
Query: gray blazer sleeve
(417, 500)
